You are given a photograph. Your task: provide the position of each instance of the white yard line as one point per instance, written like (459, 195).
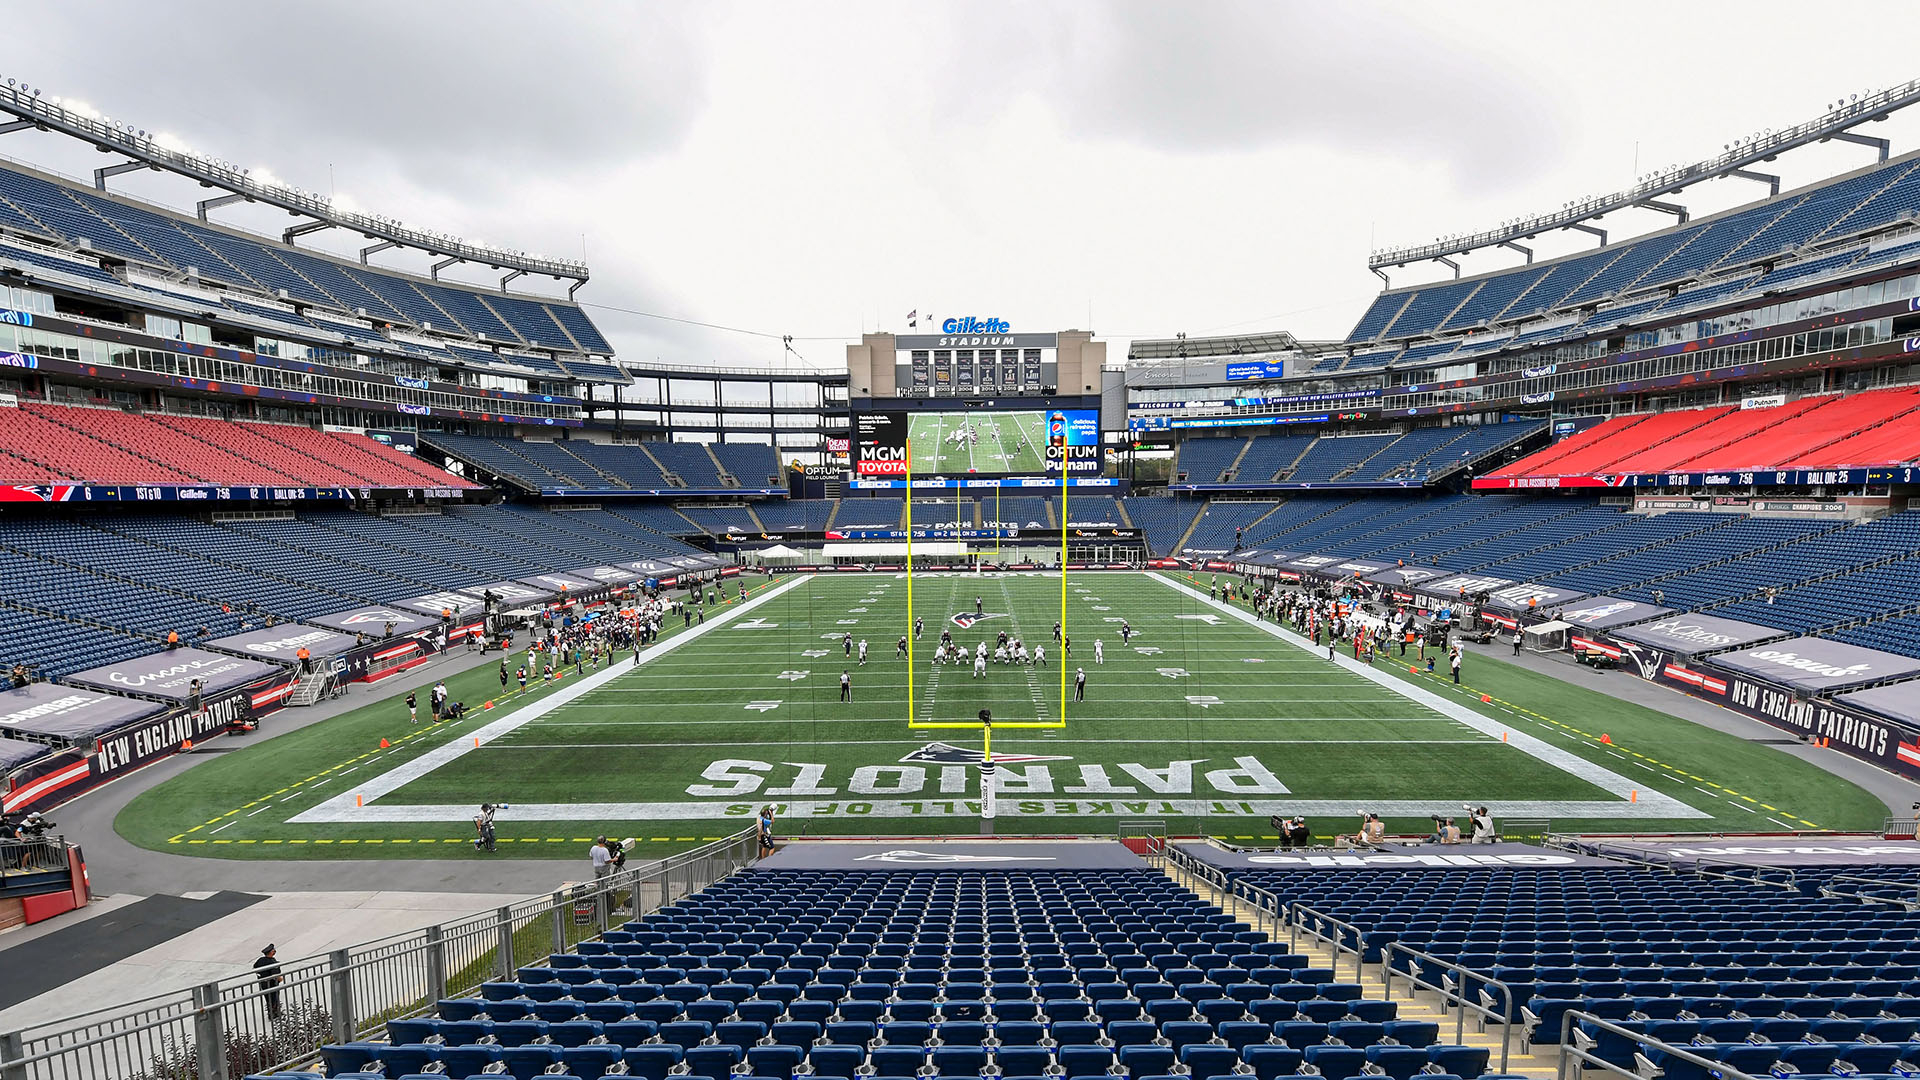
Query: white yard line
(342, 808)
(1647, 803)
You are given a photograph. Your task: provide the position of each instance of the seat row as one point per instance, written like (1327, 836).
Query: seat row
(720, 1061)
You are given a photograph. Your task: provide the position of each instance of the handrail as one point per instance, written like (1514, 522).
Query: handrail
(44, 855)
(1701, 866)
(1300, 912)
(1215, 878)
(1264, 902)
(1458, 995)
(1829, 889)
(350, 993)
(1569, 1050)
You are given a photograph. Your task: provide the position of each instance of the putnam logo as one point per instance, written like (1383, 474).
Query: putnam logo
(965, 619)
(939, 753)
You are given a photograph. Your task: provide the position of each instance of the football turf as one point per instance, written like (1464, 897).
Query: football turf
(1205, 721)
(1008, 443)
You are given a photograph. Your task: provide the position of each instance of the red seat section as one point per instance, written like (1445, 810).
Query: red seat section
(392, 468)
(1896, 442)
(35, 433)
(1546, 462)
(206, 460)
(42, 443)
(1802, 442)
(1656, 432)
(1731, 426)
(262, 443)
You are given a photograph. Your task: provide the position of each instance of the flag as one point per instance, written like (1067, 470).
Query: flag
(913, 317)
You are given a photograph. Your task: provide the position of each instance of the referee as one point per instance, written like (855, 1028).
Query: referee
(846, 687)
(1080, 684)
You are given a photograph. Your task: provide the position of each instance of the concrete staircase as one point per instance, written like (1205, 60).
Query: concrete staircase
(1541, 1063)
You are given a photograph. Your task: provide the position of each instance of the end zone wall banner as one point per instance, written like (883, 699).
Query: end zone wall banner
(1818, 665)
(170, 675)
(1602, 612)
(52, 710)
(1691, 635)
(1847, 729)
(284, 642)
(1531, 597)
(372, 621)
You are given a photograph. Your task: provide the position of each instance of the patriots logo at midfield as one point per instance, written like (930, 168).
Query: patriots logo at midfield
(965, 619)
(940, 753)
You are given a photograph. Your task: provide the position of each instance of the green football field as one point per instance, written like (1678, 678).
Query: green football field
(1006, 443)
(1206, 721)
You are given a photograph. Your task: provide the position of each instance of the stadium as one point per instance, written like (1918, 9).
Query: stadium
(1524, 683)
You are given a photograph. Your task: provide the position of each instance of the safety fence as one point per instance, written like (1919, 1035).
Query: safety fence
(260, 1021)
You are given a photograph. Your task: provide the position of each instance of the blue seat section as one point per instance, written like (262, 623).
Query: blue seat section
(1267, 455)
(870, 512)
(1161, 521)
(156, 237)
(795, 515)
(942, 513)
(690, 462)
(753, 464)
(133, 580)
(1807, 224)
(1732, 961)
(1205, 461)
(1337, 458)
(1088, 510)
(920, 973)
(571, 463)
(720, 519)
(1019, 511)
(1221, 521)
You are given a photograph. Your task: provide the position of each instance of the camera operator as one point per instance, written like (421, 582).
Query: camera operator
(1481, 821)
(483, 827)
(1445, 831)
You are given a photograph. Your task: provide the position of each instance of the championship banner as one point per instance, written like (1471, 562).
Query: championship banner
(605, 575)
(1405, 576)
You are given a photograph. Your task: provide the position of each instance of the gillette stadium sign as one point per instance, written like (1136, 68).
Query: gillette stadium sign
(972, 325)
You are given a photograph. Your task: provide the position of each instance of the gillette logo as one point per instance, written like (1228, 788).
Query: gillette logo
(971, 325)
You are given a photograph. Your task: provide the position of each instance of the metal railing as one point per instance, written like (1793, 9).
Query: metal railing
(19, 858)
(255, 1022)
(1901, 828)
(1453, 994)
(1860, 882)
(1578, 1047)
(1303, 919)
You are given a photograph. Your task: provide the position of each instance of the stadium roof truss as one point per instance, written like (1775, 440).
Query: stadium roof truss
(1737, 162)
(146, 150)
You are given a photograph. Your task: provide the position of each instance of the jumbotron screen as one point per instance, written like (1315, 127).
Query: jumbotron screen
(977, 442)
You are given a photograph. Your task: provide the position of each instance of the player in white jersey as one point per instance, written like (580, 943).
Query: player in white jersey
(1099, 651)
(1039, 656)
(863, 651)
(979, 664)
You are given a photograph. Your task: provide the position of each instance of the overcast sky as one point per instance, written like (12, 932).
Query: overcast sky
(822, 169)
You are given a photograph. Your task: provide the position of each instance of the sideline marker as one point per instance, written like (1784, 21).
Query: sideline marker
(1486, 699)
(359, 800)
(1606, 739)
(1503, 736)
(384, 744)
(188, 745)
(1634, 796)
